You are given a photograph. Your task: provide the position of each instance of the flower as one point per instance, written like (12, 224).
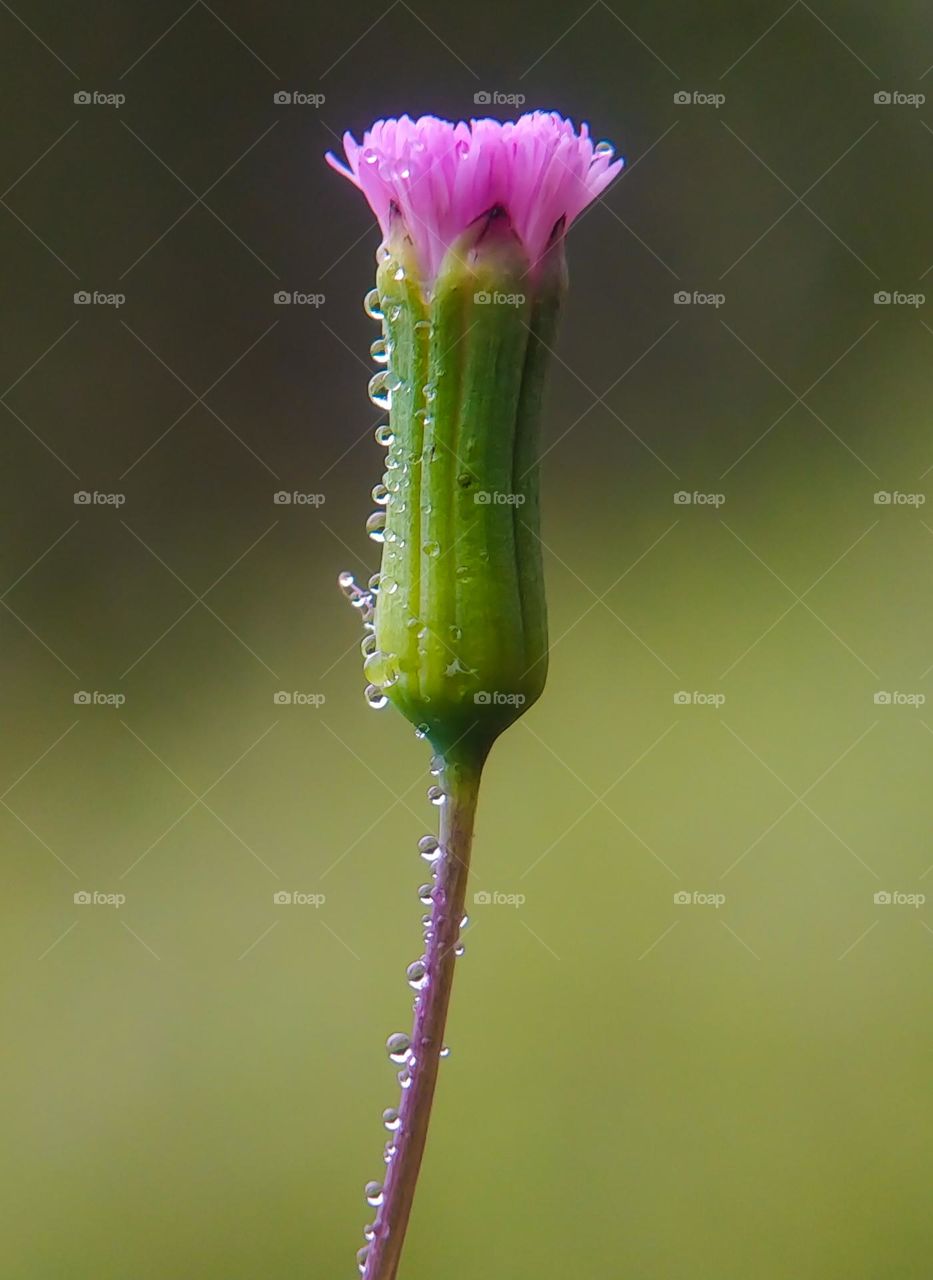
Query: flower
(441, 176)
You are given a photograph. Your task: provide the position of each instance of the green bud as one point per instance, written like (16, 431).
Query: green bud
(460, 622)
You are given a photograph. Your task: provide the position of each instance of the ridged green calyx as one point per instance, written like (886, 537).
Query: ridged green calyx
(460, 619)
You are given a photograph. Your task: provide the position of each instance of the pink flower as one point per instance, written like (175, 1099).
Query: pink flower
(441, 176)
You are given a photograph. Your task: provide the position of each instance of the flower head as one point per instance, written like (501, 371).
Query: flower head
(441, 176)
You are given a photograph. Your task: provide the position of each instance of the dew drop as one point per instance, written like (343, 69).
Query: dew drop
(432, 549)
(417, 975)
(428, 846)
(372, 305)
(604, 149)
(425, 892)
(379, 351)
(380, 494)
(389, 586)
(436, 795)
(436, 766)
(404, 1079)
(375, 697)
(444, 1053)
(368, 645)
(345, 582)
(459, 949)
(390, 1118)
(382, 669)
(361, 1256)
(374, 1194)
(379, 389)
(384, 435)
(376, 526)
(369, 1231)
(398, 1046)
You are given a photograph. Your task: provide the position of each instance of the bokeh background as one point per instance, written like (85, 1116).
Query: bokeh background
(733, 1086)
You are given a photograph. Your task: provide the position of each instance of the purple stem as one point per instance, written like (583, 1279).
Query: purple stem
(461, 787)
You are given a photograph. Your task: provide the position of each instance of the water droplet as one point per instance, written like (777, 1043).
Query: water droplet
(379, 351)
(404, 1079)
(417, 975)
(369, 1231)
(431, 549)
(428, 846)
(436, 766)
(368, 645)
(444, 1053)
(384, 435)
(400, 271)
(376, 526)
(430, 392)
(422, 731)
(374, 1194)
(456, 633)
(375, 697)
(412, 623)
(388, 1152)
(372, 306)
(398, 1046)
(390, 1119)
(389, 586)
(424, 894)
(436, 795)
(380, 494)
(361, 1256)
(345, 582)
(459, 949)
(379, 390)
(422, 324)
(604, 149)
(382, 669)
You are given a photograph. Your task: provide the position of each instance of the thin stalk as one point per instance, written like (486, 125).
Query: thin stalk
(461, 789)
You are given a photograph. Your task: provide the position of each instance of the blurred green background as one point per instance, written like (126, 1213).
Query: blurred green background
(638, 1087)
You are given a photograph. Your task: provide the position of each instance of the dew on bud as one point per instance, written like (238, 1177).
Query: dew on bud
(382, 669)
(379, 391)
(417, 975)
(436, 795)
(376, 526)
(390, 1118)
(375, 697)
(372, 305)
(379, 351)
(604, 149)
(380, 494)
(444, 1053)
(436, 766)
(374, 1196)
(384, 435)
(368, 645)
(425, 894)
